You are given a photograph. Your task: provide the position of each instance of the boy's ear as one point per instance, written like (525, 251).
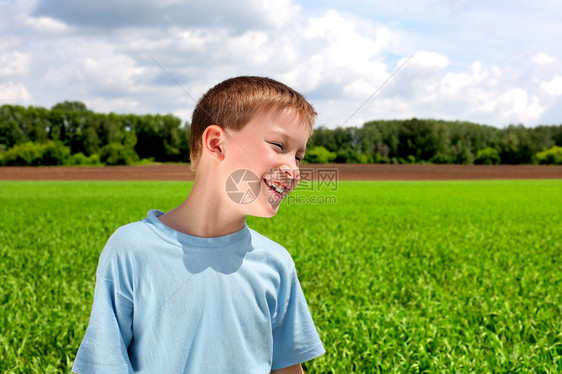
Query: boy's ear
(213, 141)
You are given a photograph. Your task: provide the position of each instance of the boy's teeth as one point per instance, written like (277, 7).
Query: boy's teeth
(277, 188)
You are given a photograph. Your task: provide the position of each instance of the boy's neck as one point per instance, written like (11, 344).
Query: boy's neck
(203, 214)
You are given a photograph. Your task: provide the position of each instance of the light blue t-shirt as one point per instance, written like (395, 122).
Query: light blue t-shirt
(167, 302)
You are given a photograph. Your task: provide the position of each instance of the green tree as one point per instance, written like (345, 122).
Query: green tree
(552, 156)
(170, 133)
(184, 144)
(320, 137)
(24, 154)
(369, 138)
(515, 145)
(36, 154)
(70, 106)
(319, 155)
(11, 132)
(54, 153)
(118, 154)
(351, 156)
(149, 141)
(487, 156)
(418, 138)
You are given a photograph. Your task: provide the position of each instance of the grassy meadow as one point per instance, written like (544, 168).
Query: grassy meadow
(401, 277)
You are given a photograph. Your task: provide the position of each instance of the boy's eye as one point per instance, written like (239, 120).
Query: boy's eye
(298, 158)
(278, 145)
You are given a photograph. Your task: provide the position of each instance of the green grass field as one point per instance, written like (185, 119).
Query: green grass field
(404, 277)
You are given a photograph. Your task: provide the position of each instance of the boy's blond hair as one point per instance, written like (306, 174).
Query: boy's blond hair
(232, 103)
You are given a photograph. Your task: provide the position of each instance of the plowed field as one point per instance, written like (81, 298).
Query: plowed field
(344, 172)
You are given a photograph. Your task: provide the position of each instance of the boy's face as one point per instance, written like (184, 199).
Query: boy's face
(271, 147)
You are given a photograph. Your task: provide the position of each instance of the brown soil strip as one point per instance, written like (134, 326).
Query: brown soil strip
(316, 171)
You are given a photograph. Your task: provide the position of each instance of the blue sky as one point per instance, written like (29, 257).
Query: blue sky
(490, 62)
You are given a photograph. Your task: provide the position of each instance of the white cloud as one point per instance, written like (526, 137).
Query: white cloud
(308, 75)
(14, 93)
(429, 90)
(9, 43)
(554, 86)
(428, 60)
(47, 24)
(13, 64)
(277, 12)
(106, 105)
(543, 59)
(111, 74)
(343, 42)
(516, 105)
(342, 56)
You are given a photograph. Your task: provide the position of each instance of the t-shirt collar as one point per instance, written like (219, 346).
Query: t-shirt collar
(196, 241)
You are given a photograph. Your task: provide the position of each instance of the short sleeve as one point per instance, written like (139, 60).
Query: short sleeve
(104, 347)
(295, 339)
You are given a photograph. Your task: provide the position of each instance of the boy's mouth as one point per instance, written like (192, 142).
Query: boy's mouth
(278, 187)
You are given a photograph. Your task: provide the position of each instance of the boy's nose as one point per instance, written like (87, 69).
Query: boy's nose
(292, 173)
(290, 170)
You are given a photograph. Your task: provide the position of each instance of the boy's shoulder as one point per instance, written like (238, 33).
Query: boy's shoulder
(144, 231)
(262, 240)
(272, 249)
(130, 233)
(127, 241)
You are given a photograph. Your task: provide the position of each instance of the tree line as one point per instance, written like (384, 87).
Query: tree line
(436, 141)
(70, 134)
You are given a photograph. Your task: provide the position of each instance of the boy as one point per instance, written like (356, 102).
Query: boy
(195, 290)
